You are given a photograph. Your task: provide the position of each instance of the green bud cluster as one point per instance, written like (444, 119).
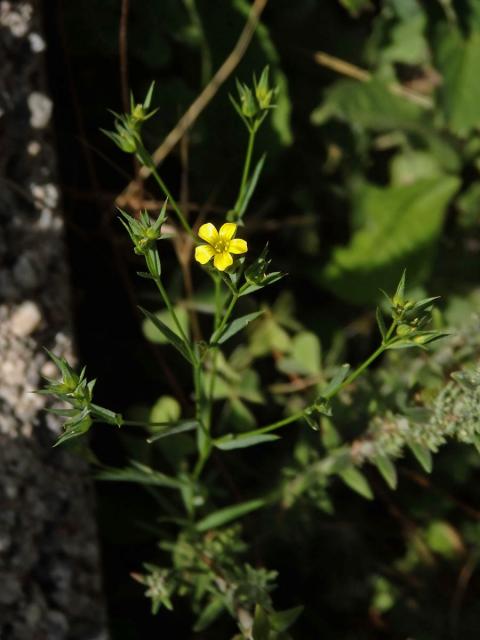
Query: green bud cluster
(410, 320)
(144, 234)
(75, 390)
(255, 101)
(128, 125)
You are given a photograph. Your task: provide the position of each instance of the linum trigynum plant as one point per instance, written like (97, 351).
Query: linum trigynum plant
(204, 550)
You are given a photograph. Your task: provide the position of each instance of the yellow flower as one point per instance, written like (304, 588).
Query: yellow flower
(220, 245)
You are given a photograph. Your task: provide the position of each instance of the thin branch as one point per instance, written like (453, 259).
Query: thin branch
(357, 73)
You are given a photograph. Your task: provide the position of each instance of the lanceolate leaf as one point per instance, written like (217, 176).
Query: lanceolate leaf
(241, 442)
(174, 428)
(356, 481)
(223, 516)
(234, 327)
(172, 337)
(387, 469)
(423, 455)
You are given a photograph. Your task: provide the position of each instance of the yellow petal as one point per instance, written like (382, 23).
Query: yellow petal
(203, 253)
(227, 231)
(222, 260)
(208, 233)
(238, 246)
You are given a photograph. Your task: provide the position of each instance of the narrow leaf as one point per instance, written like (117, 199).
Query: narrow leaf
(356, 481)
(261, 624)
(241, 206)
(234, 327)
(177, 427)
(140, 474)
(423, 455)
(172, 337)
(337, 380)
(241, 442)
(282, 620)
(223, 516)
(387, 469)
(381, 324)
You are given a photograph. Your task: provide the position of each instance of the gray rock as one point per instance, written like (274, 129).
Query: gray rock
(50, 586)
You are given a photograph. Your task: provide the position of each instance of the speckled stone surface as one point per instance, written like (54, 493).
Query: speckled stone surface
(50, 587)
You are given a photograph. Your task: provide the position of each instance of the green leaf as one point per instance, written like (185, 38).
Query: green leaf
(232, 441)
(75, 426)
(400, 227)
(370, 105)
(152, 333)
(387, 469)
(283, 620)
(223, 516)
(306, 351)
(166, 409)
(458, 60)
(173, 338)
(356, 481)
(423, 455)
(251, 185)
(211, 612)
(173, 429)
(234, 327)
(261, 624)
(140, 474)
(355, 7)
(338, 378)
(381, 324)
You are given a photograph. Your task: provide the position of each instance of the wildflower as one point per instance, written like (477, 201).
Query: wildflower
(221, 244)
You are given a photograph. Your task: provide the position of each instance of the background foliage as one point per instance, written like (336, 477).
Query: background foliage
(370, 169)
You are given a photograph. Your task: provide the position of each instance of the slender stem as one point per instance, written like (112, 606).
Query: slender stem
(146, 160)
(353, 376)
(213, 374)
(246, 166)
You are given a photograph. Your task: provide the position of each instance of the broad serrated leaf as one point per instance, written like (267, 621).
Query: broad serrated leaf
(355, 479)
(234, 327)
(458, 60)
(370, 105)
(228, 514)
(401, 227)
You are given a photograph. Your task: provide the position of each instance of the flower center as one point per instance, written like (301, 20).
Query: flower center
(221, 246)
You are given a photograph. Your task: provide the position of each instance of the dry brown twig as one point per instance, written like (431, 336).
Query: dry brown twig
(357, 73)
(203, 99)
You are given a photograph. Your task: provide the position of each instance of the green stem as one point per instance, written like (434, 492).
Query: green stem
(246, 166)
(213, 378)
(146, 159)
(353, 376)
